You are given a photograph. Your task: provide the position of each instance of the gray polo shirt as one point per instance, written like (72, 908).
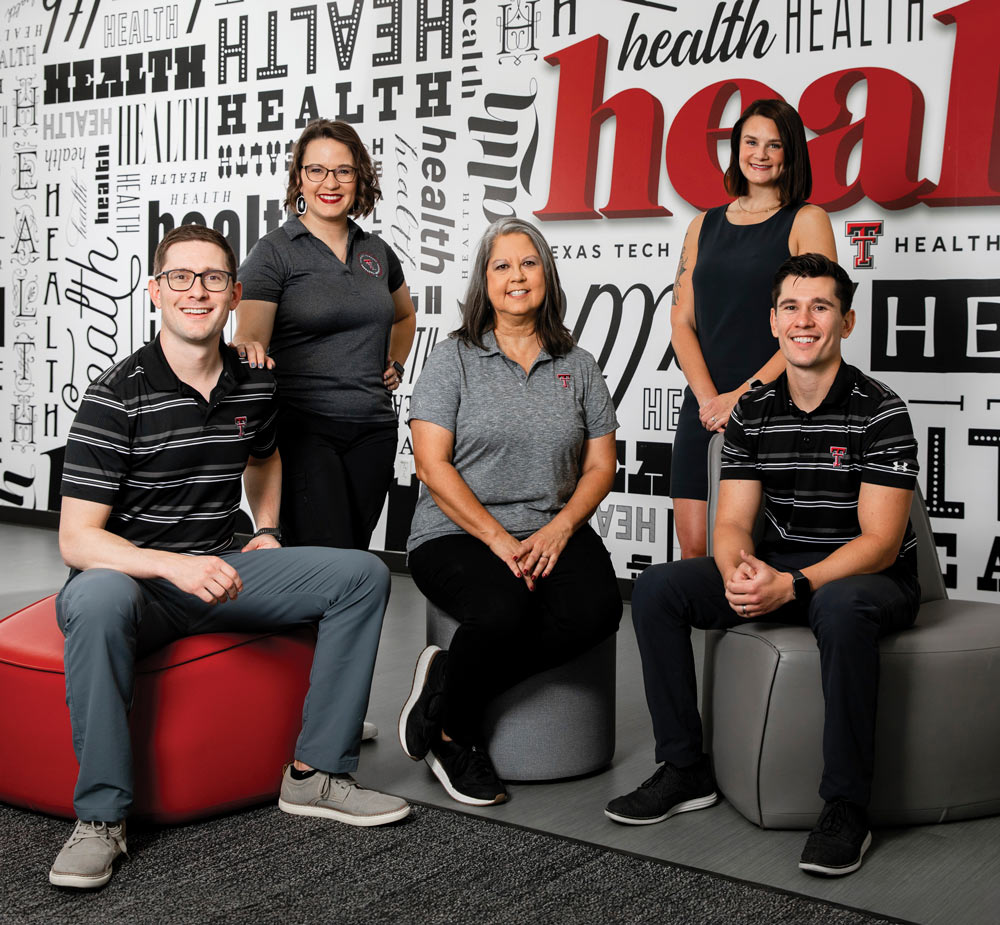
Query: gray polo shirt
(518, 438)
(332, 327)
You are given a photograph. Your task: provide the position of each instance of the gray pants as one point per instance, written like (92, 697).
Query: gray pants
(109, 620)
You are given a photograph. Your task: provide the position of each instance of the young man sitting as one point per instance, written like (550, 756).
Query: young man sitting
(831, 455)
(151, 490)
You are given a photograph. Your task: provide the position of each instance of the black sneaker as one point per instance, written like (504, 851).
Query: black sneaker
(467, 773)
(420, 719)
(669, 791)
(839, 841)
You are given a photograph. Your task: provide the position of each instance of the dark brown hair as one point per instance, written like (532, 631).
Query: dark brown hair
(795, 183)
(193, 233)
(478, 315)
(814, 266)
(366, 192)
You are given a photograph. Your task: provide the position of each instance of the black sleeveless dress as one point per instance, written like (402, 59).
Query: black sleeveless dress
(732, 305)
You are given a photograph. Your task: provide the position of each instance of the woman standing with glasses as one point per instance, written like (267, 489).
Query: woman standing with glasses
(328, 302)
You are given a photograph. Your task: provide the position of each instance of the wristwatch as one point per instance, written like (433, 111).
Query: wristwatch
(268, 531)
(396, 365)
(800, 585)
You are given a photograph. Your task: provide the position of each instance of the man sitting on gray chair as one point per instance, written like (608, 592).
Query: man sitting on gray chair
(831, 454)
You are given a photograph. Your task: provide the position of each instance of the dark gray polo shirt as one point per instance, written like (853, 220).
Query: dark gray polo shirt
(169, 463)
(332, 327)
(518, 438)
(812, 464)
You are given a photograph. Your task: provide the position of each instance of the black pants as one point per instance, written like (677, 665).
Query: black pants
(335, 476)
(847, 617)
(507, 632)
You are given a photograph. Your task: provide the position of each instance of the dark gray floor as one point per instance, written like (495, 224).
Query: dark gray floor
(948, 874)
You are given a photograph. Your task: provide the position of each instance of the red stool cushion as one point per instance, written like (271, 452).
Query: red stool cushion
(214, 718)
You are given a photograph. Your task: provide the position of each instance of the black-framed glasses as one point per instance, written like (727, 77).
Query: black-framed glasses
(317, 172)
(183, 280)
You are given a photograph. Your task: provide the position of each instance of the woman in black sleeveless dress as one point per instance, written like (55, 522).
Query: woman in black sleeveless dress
(719, 321)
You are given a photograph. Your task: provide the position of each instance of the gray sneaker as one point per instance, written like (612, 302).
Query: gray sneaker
(340, 797)
(369, 731)
(87, 858)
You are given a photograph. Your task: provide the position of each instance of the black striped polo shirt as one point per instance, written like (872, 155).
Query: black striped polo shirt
(811, 465)
(169, 463)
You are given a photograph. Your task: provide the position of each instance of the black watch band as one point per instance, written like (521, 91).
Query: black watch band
(801, 587)
(268, 531)
(396, 365)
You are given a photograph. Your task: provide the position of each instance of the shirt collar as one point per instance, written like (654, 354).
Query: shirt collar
(162, 378)
(491, 348)
(836, 397)
(294, 228)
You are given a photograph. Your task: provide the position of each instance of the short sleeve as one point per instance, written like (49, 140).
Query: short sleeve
(395, 269)
(739, 453)
(98, 447)
(598, 408)
(263, 273)
(889, 449)
(438, 390)
(266, 440)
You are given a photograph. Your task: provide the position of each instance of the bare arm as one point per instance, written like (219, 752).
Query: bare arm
(683, 331)
(433, 447)
(542, 549)
(812, 233)
(882, 516)
(262, 481)
(85, 543)
(254, 327)
(739, 502)
(404, 326)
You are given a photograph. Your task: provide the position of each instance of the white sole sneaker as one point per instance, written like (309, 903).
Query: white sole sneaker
(686, 807)
(300, 809)
(77, 881)
(442, 775)
(838, 871)
(369, 731)
(417, 688)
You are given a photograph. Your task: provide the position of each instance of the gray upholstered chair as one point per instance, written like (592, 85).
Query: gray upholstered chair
(557, 724)
(937, 753)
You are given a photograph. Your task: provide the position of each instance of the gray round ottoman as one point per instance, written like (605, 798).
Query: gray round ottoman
(937, 751)
(560, 723)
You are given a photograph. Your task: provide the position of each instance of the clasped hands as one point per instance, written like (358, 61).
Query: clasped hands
(754, 588)
(535, 556)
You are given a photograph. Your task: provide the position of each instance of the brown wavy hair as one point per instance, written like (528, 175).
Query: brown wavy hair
(366, 192)
(796, 182)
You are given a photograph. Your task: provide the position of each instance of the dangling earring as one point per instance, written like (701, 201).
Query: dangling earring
(300, 205)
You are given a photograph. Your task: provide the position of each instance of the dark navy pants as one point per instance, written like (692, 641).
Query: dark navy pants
(847, 617)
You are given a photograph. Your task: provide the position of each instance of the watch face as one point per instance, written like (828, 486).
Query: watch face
(396, 365)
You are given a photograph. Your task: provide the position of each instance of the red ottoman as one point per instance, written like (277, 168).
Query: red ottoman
(228, 700)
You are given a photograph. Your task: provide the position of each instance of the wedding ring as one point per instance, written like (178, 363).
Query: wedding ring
(744, 610)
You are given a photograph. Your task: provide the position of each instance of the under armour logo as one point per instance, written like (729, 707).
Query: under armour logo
(241, 422)
(565, 379)
(900, 465)
(838, 453)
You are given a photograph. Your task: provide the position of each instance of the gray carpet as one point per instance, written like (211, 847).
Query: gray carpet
(434, 867)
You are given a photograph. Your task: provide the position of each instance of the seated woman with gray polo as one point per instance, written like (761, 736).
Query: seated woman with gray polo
(514, 442)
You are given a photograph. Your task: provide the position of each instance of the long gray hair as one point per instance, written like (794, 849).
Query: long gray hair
(478, 315)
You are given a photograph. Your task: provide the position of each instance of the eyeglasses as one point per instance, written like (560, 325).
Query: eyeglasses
(317, 173)
(183, 280)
